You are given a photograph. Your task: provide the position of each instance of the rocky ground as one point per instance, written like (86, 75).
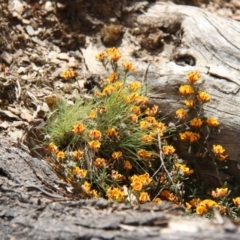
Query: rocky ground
(40, 39)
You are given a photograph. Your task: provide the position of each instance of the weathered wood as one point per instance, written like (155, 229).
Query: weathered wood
(25, 213)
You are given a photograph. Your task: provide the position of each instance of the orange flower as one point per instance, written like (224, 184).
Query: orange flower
(236, 201)
(118, 84)
(219, 192)
(78, 128)
(152, 111)
(95, 144)
(111, 132)
(117, 176)
(78, 154)
(80, 172)
(150, 119)
(133, 118)
(117, 194)
(168, 150)
(117, 155)
(137, 185)
(195, 202)
(193, 76)
(201, 210)
(127, 165)
(181, 113)
(144, 124)
(203, 96)
(144, 154)
(52, 147)
(189, 136)
(95, 134)
(182, 167)
(67, 74)
(114, 54)
(212, 122)
(61, 155)
(134, 86)
(196, 122)
(127, 66)
(108, 90)
(166, 194)
(86, 187)
(112, 77)
(93, 114)
(141, 100)
(218, 151)
(157, 200)
(189, 103)
(136, 110)
(101, 56)
(186, 90)
(147, 139)
(99, 162)
(144, 197)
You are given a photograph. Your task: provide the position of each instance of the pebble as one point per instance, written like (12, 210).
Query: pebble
(30, 30)
(7, 57)
(17, 6)
(63, 56)
(49, 6)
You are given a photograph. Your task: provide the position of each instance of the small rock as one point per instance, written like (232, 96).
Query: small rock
(34, 24)
(72, 62)
(48, 6)
(15, 111)
(7, 57)
(30, 30)
(61, 6)
(67, 88)
(63, 56)
(16, 6)
(26, 115)
(236, 3)
(4, 125)
(52, 55)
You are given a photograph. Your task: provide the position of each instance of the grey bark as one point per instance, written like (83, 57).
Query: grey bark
(47, 211)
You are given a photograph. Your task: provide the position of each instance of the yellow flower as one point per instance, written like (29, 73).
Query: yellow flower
(144, 154)
(189, 103)
(218, 151)
(93, 114)
(118, 84)
(133, 118)
(94, 193)
(181, 113)
(212, 122)
(147, 138)
(144, 124)
(114, 54)
(67, 74)
(189, 136)
(186, 90)
(150, 119)
(203, 96)
(236, 201)
(111, 132)
(196, 122)
(117, 155)
(80, 172)
(137, 185)
(95, 144)
(108, 90)
(78, 128)
(182, 167)
(157, 200)
(86, 187)
(152, 111)
(136, 110)
(112, 77)
(188, 206)
(141, 100)
(193, 76)
(219, 192)
(61, 155)
(201, 210)
(170, 196)
(99, 162)
(144, 197)
(52, 147)
(127, 66)
(101, 56)
(127, 165)
(161, 127)
(134, 86)
(95, 134)
(117, 194)
(78, 154)
(168, 150)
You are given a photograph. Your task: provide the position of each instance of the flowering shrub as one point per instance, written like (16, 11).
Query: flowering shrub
(117, 146)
